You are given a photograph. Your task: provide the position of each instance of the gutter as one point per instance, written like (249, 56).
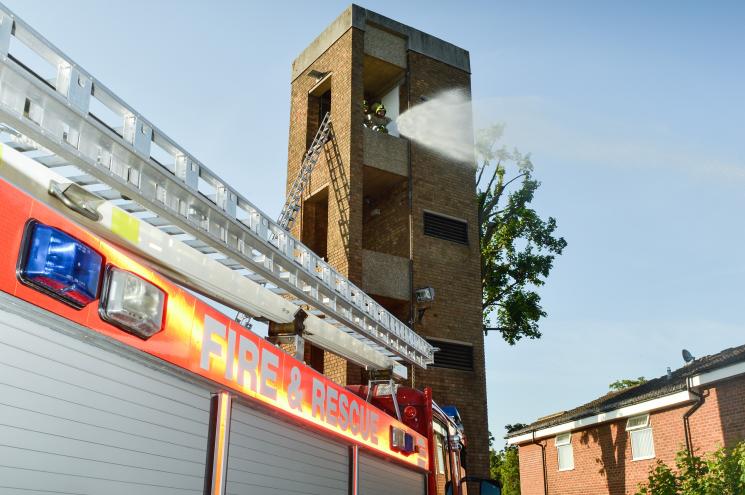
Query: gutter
(658, 403)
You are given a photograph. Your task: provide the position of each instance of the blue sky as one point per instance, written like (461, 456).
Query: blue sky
(633, 112)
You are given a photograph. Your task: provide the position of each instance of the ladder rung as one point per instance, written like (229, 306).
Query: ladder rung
(230, 263)
(84, 180)
(52, 161)
(200, 246)
(109, 194)
(157, 221)
(132, 207)
(255, 277)
(172, 230)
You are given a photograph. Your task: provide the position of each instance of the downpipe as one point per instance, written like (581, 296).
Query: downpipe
(700, 398)
(543, 463)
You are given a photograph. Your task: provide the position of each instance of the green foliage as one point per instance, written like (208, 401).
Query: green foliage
(518, 247)
(624, 384)
(504, 466)
(719, 473)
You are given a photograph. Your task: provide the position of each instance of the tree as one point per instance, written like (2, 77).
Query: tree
(628, 383)
(719, 473)
(518, 247)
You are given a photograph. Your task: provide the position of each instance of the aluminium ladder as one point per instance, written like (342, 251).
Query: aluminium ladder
(113, 157)
(292, 203)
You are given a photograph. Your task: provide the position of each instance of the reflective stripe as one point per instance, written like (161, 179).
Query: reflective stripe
(221, 443)
(125, 225)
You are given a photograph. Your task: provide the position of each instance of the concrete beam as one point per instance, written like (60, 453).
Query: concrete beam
(359, 17)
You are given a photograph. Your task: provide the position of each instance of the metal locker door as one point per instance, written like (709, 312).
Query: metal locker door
(88, 417)
(381, 477)
(269, 456)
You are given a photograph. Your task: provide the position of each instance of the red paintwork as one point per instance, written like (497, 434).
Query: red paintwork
(422, 423)
(182, 340)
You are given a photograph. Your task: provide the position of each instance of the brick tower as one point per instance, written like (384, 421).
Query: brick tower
(391, 215)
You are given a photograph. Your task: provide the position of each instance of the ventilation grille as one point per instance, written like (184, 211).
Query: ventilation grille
(453, 356)
(445, 228)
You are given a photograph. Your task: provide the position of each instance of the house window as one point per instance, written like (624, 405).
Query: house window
(565, 452)
(642, 442)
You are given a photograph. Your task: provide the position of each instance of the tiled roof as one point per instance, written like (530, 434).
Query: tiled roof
(652, 389)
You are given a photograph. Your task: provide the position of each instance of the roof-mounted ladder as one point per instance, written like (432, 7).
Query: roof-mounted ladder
(179, 195)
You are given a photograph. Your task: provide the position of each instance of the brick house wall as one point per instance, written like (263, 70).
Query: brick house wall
(602, 454)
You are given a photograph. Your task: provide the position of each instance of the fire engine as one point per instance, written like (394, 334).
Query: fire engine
(120, 370)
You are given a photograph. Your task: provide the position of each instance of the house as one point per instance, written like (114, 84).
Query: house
(607, 446)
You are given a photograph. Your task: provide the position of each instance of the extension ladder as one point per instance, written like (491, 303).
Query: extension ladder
(292, 204)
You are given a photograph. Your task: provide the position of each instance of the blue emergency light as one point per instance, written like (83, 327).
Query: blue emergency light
(402, 441)
(60, 265)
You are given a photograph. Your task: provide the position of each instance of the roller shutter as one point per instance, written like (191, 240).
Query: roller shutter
(268, 456)
(380, 477)
(80, 418)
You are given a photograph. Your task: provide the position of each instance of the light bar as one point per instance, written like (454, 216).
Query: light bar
(402, 441)
(59, 265)
(133, 304)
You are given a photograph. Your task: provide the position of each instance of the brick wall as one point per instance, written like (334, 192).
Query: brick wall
(339, 168)
(388, 230)
(438, 185)
(603, 462)
(454, 270)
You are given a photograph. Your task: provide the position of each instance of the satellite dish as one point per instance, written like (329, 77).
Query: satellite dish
(687, 356)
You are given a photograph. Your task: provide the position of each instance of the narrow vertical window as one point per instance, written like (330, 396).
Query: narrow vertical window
(642, 441)
(565, 452)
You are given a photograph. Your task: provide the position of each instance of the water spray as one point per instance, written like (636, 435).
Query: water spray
(443, 124)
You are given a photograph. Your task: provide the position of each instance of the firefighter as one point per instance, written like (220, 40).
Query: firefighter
(382, 120)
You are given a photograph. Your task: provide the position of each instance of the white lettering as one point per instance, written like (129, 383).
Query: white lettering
(374, 427)
(230, 358)
(269, 366)
(247, 365)
(344, 411)
(210, 346)
(332, 409)
(319, 392)
(354, 408)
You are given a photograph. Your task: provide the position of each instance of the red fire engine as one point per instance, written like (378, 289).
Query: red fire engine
(117, 378)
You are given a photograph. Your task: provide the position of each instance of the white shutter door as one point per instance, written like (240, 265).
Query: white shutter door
(380, 477)
(269, 456)
(76, 418)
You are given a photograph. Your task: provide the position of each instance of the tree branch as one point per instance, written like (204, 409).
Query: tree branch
(514, 179)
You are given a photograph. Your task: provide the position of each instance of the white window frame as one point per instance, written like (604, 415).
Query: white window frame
(635, 425)
(563, 443)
